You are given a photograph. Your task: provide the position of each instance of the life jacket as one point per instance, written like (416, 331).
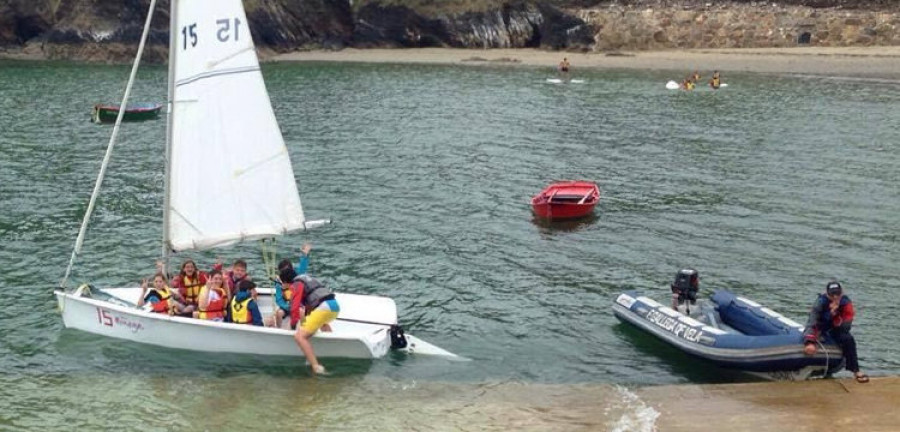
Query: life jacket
(714, 83)
(826, 319)
(161, 306)
(314, 292)
(309, 293)
(240, 311)
(215, 308)
(192, 287)
(287, 293)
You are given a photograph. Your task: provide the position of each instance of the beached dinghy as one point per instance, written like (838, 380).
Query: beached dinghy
(732, 332)
(220, 114)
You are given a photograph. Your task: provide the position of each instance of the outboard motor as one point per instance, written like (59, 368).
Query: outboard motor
(398, 337)
(685, 287)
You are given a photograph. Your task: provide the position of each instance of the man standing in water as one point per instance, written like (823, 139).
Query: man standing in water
(832, 314)
(716, 81)
(564, 66)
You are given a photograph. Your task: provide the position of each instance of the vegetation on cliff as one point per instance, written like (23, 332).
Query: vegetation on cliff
(109, 30)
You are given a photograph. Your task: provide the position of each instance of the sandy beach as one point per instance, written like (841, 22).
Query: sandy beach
(863, 62)
(817, 405)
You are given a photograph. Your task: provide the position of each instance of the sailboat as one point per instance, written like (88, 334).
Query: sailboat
(244, 190)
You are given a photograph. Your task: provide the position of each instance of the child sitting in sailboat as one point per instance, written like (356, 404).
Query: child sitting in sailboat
(243, 308)
(189, 281)
(213, 298)
(161, 298)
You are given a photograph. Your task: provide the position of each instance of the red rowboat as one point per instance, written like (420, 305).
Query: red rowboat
(566, 200)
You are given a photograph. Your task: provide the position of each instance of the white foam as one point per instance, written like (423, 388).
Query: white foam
(637, 416)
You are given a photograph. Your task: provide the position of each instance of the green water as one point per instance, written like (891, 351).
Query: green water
(769, 188)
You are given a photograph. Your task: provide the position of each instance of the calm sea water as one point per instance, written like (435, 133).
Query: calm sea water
(769, 188)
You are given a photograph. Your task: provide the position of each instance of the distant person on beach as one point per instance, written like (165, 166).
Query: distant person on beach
(564, 65)
(832, 314)
(696, 76)
(716, 81)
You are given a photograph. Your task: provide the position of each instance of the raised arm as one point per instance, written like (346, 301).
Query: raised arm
(141, 300)
(303, 263)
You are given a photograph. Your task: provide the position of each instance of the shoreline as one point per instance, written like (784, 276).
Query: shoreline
(864, 62)
(873, 62)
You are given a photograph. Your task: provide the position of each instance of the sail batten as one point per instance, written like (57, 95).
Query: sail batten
(214, 74)
(230, 175)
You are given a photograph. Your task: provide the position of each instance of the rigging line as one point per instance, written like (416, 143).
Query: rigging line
(112, 142)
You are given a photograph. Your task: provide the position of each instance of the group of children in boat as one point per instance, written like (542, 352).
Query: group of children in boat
(690, 82)
(230, 296)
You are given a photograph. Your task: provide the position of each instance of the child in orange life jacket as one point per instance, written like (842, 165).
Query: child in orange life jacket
(213, 298)
(310, 298)
(283, 294)
(161, 298)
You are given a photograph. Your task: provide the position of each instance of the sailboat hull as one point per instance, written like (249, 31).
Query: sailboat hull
(115, 318)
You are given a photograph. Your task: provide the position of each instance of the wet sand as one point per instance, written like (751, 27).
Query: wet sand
(831, 405)
(818, 405)
(867, 62)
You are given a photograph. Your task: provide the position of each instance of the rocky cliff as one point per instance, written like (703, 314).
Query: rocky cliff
(109, 30)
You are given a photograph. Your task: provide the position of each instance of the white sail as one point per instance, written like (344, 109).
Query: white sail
(230, 177)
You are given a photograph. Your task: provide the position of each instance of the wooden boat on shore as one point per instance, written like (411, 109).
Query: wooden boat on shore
(566, 200)
(133, 112)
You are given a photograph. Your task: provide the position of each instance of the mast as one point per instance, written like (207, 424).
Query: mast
(79, 241)
(173, 45)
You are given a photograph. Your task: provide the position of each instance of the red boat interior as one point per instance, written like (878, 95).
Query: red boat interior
(569, 195)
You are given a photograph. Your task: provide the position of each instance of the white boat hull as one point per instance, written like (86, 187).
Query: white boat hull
(117, 318)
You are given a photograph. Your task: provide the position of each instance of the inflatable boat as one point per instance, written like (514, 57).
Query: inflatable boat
(732, 332)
